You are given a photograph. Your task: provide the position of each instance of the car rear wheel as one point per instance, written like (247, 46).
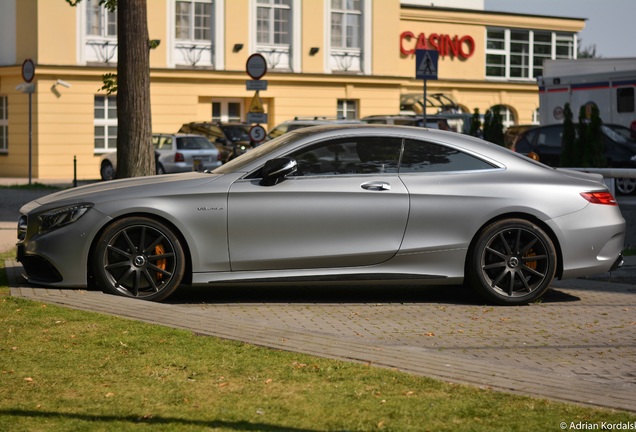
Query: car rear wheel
(513, 262)
(138, 257)
(626, 186)
(107, 171)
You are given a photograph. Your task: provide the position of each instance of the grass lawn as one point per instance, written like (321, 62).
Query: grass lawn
(68, 370)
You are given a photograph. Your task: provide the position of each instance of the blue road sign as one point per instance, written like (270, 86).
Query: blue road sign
(426, 64)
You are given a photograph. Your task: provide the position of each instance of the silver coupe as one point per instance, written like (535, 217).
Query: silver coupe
(333, 203)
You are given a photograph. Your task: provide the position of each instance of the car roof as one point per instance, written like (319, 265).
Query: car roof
(319, 120)
(177, 135)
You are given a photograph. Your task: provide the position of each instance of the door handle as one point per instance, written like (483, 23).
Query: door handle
(376, 186)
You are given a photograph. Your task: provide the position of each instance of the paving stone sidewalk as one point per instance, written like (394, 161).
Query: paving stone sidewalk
(577, 345)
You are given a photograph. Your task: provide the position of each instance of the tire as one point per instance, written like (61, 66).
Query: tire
(160, 169)
(107, 171)
(138, 257)
(626, 186)
(513, 262)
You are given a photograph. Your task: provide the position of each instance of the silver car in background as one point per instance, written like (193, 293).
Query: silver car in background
(329, 203)
(174, 153)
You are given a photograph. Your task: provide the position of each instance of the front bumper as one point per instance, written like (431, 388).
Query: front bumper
(59, 257)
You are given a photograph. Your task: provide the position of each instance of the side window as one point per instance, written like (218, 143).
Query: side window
(551, 137)
(360, 155)
(162, 142)
(422, 156)
(625, 99)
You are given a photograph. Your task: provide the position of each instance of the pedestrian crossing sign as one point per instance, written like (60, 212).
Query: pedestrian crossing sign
(426, 64)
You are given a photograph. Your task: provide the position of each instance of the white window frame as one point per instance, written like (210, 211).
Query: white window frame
(194, 52)
(556, 37)
(351, 60)
(106, 122)
(101, 49)
(4, 124)
(283, 57)
(273, 7)
(346, 106)
(225, 117)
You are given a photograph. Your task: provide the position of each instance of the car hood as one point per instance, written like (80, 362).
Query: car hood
(123, 189)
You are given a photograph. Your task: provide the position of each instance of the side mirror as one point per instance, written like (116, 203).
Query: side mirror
(275, 170)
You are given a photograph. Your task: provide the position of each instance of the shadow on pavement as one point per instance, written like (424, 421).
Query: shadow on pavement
(354, 294)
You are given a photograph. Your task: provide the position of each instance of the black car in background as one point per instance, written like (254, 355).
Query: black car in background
(545, 142)
(232, 139)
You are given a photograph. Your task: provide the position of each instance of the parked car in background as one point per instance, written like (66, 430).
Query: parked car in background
(544, 143)
(513, 132)
(303, 122)
(432, 121)
(174, 153)
(404, 205)
(231, 139)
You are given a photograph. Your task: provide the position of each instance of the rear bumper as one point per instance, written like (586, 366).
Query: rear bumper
(618, 263)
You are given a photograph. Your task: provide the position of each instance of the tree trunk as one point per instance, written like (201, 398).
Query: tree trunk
(135, 153)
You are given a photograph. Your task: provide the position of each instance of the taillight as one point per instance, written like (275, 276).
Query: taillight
(599, 198)
(218, 157)
(178, 157)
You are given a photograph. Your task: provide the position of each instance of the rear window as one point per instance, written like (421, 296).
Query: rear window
(423, 156)
(237, 133)
(193, 143)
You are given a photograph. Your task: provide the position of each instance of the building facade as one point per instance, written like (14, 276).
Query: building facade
(349, 58)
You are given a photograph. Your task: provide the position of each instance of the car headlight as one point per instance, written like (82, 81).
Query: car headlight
(59, 217)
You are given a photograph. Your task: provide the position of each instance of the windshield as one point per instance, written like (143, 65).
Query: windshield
(237, 133)
(620, 134)
(237, 165)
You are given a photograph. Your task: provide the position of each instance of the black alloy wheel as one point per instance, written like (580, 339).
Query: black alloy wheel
(513, 262)
(138, 257)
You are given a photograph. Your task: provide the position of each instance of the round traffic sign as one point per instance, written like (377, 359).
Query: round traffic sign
(28, 70)
(257, 133)
(256, 66)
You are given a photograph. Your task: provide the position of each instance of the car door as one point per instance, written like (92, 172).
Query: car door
(345, 206)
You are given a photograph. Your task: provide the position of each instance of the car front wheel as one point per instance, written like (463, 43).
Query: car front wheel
(138, 257)
(513, 262)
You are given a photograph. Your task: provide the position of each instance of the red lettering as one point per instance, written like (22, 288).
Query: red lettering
(463, 47)
(434, 41)
(408, 36)
(466, 40)
(451, 45)
(421, 42)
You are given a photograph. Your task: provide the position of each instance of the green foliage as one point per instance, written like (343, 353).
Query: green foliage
(111, 5)
(475, 123)
(595, 154)
(487, 123)
(110, 83)
(493, 126)
(569, 154)
(590, 139)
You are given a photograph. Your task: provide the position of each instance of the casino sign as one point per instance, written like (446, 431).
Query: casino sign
(461, 47)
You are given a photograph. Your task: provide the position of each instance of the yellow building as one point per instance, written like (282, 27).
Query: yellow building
(325, 58)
